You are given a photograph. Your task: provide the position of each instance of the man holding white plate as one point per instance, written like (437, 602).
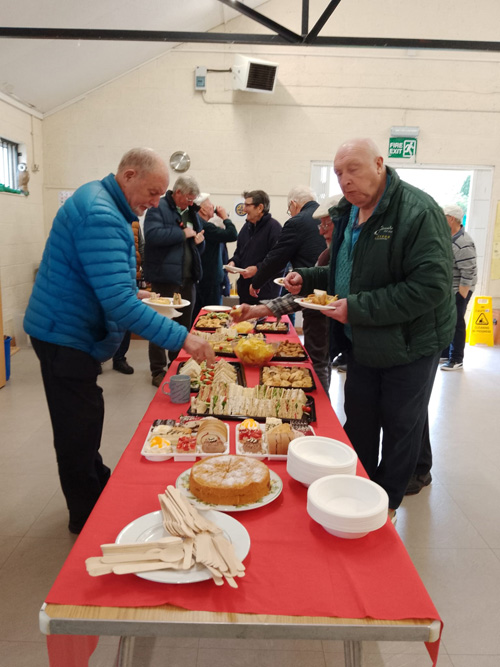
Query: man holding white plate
(391, 267)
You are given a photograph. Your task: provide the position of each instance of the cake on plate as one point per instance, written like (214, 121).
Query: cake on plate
(229, 480)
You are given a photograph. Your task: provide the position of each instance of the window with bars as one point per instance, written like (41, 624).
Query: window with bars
(9, 160)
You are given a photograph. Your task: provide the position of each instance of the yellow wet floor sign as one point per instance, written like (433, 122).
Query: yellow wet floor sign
(480, 327)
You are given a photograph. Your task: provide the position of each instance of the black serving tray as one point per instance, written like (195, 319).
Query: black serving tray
(311, 387)
(305, 357)
(240, 374)
(259, 327)
(308, 417)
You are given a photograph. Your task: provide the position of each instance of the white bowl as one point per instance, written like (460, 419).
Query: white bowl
(312, 457)
(347, 506)
(314, 451)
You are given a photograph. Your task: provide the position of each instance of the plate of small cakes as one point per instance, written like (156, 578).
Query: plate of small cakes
(186, 440)
(230, 483)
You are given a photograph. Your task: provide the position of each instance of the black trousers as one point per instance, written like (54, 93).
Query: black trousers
(316, 329)
(457, 345)
(393, 401)
(120, 353)
(157, 355)
(76, 409)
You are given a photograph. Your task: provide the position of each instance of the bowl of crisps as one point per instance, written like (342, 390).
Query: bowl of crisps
(244, 327)
(254, 351)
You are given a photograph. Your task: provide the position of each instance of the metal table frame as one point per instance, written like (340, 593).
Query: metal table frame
(129, 623)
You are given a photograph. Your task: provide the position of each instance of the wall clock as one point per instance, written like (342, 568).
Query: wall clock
(180, 161)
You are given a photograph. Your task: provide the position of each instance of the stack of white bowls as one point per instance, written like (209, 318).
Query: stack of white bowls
(347, 506)
(312, 457)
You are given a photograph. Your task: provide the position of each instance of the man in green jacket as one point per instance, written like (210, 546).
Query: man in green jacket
(391, 267)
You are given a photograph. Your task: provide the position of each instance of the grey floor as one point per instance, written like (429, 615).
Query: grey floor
(451, 529)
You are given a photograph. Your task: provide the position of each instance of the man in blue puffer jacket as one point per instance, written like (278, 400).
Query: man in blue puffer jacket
(83, 301)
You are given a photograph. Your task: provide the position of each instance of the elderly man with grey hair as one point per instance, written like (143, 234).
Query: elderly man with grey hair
(174, 241)
(464, 281)
(298, 244)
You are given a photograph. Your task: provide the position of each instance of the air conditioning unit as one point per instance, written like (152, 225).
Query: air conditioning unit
(254, 75)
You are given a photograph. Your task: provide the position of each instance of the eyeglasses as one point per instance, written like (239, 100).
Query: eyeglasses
(288, 211)
(190, 199)
(245, 205)
(324, 225)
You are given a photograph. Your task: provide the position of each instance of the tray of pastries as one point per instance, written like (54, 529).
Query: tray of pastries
(272, 327)
(186, 439)
(212, 321)
(288, 351)
(221, 371)
(287, 376)
(270, 439)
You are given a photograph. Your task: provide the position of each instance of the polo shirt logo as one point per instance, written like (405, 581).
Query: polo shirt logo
(383, 234)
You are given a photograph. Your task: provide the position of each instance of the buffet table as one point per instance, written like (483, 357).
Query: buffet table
(300, 581)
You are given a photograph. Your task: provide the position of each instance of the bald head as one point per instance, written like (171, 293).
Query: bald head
(143, 177)
(359, 167)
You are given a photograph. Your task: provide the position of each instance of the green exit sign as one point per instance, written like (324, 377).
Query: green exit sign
(401, 147)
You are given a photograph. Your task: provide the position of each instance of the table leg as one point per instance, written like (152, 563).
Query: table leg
(352, 653)
(125, 652)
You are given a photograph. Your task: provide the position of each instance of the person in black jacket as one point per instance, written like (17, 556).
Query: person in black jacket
(256, 238)
(174, 241)
(299, 242)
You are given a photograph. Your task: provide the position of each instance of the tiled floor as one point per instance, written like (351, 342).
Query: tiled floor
(451, 529)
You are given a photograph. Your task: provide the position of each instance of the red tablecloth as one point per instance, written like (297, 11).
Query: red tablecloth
(294, 567)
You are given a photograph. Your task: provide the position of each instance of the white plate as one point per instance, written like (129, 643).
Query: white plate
(279, 281)
(313, 306)
(217, 309)
(233, 269)
(149, 528)
(182, 483)
(182, 304)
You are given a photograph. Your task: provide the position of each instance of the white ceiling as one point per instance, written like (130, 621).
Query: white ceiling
(45, 74)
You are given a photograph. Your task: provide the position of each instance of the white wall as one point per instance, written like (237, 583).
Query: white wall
(21, 221)
(240, 141)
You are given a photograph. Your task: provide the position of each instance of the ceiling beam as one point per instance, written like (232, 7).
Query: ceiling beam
(263, 20)
(310, 38)
(238, 38)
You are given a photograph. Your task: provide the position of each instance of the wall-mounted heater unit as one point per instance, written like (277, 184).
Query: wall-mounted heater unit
(254, 75)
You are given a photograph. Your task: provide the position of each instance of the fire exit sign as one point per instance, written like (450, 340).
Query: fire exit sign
(401, 147)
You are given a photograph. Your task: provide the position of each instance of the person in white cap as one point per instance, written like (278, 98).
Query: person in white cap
(218, 230)
(464, 281)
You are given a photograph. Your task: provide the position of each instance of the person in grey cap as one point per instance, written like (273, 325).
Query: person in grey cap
(464, 281)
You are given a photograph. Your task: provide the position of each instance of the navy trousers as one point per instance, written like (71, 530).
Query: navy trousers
(76, 409)
(392, 402)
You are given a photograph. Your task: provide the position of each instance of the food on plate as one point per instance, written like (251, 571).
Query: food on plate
(158, 445)
(259, 401)
(186, 444)
(163, 300)
(277, 327)
(286, 376)
(177, 299)
(229, 480)
(250, 437)
(320, 298)
(212, 436)
(212, 321)
(177, 432)
(290, 350)
(254, 351)
(235, 312)
(279, 437)
(201, 374)
(242, 327)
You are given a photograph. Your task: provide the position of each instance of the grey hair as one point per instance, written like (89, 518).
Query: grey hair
(143, 160)
(186, 185)
(454, 211)
(301, 194)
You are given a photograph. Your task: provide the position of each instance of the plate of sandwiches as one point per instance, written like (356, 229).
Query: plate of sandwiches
(234, 402)
(220, 371)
